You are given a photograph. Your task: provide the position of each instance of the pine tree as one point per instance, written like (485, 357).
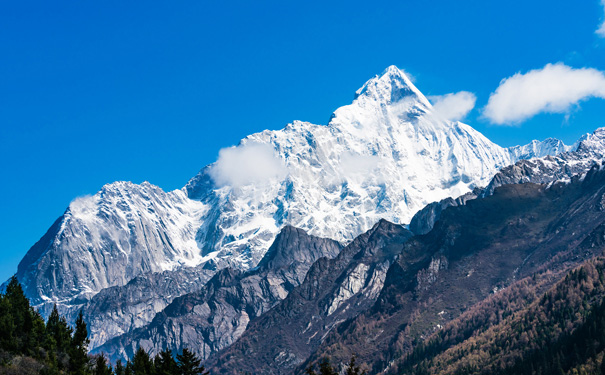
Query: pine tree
(165, 364)
(22, 317)
(7, 326)
(101, 366)
(78, 350)
(141, 363)
(325, 368)
(120, 370)
(58, 331)
(190, 364)
(352, 368)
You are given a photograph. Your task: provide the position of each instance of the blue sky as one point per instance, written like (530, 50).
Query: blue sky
(94, 92)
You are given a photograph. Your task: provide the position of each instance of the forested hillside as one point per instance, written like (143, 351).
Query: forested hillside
(518, 331)
(29, 345)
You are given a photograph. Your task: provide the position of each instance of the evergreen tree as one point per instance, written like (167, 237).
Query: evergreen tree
(353, 369)
(165, 364)
(101, 366)
(325, 368)
(78, 350)
(7, 325)
(120, 370)
(58, 332)
(190, 364)
(141, 363)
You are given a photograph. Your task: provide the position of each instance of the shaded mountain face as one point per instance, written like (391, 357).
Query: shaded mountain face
(581, 157)
(524, 329)
(385, 155)
(333, 291)
(214, 316)
(473, 251)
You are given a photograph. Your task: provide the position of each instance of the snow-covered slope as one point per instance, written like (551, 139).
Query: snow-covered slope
(386, 155)
(538, 149)
(109, 238)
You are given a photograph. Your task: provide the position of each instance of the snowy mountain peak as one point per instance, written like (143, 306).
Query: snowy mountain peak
(592, 142)
(390, 87)
(384, 156)
(549, 146)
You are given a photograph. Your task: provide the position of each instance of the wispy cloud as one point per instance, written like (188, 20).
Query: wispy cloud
(251, 163)
(601, 30)
(553, 89)
(356, 165)
(453, 106)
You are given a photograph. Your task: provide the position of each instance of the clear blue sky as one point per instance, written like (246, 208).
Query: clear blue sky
(97, 91)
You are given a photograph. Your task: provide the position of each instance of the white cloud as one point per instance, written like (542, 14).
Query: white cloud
(553, 89)
(251, 163)
(453, 106)
(601, 30)
(355, 164)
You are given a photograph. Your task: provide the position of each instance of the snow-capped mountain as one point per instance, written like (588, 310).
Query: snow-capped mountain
(108, 238)
(386, 155)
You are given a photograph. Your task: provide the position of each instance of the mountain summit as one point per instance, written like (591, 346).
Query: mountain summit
(384, 156)
(390, 87)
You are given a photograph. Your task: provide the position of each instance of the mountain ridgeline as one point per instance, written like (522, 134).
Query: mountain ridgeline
(391, 235)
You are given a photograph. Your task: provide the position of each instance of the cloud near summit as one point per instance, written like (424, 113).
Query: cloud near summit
(552, 89)
(453, 106)
(247, 164)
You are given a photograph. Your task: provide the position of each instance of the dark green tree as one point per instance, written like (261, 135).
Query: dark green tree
(7, 326)
(119, 369)
(58, 332)
(165, 364)
(141, 363)
(101, 366)
(190, 364)
(78, 350)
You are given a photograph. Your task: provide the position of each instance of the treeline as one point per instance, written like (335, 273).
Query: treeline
(29, 345)
(326, 368)
(558, 332)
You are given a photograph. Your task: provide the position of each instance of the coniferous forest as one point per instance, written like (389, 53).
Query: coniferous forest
(522, 330)
(29, 345)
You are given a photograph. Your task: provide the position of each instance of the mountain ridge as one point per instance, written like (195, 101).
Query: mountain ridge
(335, 181)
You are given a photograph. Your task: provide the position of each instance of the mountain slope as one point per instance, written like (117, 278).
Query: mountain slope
(214, 316)
(523, 331)
(332, 292)
(473, 251)
(485, 246)
(386, 155)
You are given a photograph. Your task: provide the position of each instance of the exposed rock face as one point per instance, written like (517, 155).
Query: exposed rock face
(562, 167)
(572, 160)
(333, 291)
(120, 309)
(425, 219)
(385, 155)
(473, 251)
(104, 240)
(215, 316)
